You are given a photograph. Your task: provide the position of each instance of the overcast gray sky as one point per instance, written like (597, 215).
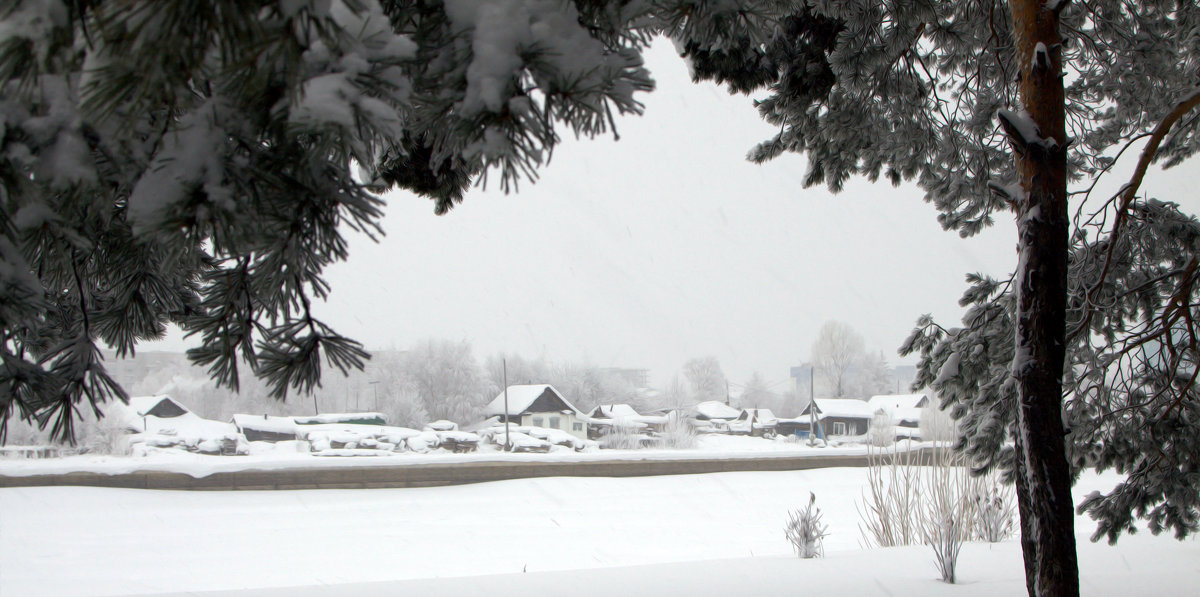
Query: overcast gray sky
(660, 247)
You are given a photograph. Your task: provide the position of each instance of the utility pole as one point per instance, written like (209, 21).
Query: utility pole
(507, 443)
(812, 407)
(375, 386)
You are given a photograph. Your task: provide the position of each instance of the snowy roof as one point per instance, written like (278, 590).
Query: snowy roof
(133, 415)
(843, 407)
(713, 409)
(762, 416)
(912, 415)
(894, 401)
(364, 418)
(613, 411)
(144, 405)
(189, 427)
(283, 425)
(521, 398)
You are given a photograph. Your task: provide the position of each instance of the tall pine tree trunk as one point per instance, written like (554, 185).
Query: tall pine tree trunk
(1044, 489)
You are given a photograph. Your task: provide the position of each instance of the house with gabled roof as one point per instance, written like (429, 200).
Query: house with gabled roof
(841, 416)
(132, 415)
(904, 409)
(538, 405)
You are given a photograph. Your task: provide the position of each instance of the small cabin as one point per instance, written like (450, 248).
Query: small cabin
(538, 405)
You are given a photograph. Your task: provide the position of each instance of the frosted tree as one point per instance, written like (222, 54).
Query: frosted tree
(705, 379)
(446, 377)
(875, 377)
(995, 107)
(756, 393)
(675, 395)
(517, 370)
(836, 353)
(197, 163)
(403, 406)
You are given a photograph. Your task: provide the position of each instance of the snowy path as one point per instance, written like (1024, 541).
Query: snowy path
(637, 536)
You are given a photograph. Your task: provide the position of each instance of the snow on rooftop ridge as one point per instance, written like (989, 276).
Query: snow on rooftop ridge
(843, 407)
(760, 415)
(521, 397)
(615, 411)
(909, 415)
(276, 424)
(144, 404)
(713, 409)
(892, 402)
(368, 418)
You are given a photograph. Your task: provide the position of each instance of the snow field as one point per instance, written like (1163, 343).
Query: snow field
(716, 534)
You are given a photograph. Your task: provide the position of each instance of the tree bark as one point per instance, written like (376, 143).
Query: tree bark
(1046, 506)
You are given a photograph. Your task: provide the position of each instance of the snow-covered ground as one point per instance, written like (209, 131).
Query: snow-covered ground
(716, 534)
(291, 455)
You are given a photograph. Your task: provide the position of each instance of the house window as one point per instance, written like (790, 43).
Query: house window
(577, 426)
(554, 422)
(839, 428)
(537, 421)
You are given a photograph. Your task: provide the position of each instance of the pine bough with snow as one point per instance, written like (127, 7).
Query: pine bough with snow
(192, 162)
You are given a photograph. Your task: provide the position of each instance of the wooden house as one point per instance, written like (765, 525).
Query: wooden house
(840, 417)
(538, 405)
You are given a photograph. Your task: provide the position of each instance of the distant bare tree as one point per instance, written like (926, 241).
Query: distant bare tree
(837, 350)
(675, 395)
(519, 371)
(756, 393)
(706, 379)
(873, 376)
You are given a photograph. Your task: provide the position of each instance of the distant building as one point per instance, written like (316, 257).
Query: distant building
(802, 380)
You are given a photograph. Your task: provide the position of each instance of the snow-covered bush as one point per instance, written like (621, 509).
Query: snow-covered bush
(995, 509)
(882, 430)
(805, 531)
(919, 496)
(404, 408)
(947, 511)
(678, 433)
(105, 435)
(944, 535)
(889, 511)
(622, 438)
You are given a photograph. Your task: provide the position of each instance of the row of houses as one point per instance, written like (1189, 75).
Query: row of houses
(537, 410)
(543, 406)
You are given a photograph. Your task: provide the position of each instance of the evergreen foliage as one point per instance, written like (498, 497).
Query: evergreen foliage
(1130, 393)
(939, 93)
(198, 162)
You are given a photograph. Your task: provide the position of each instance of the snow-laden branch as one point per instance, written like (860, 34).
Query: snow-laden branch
(1129, 191)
